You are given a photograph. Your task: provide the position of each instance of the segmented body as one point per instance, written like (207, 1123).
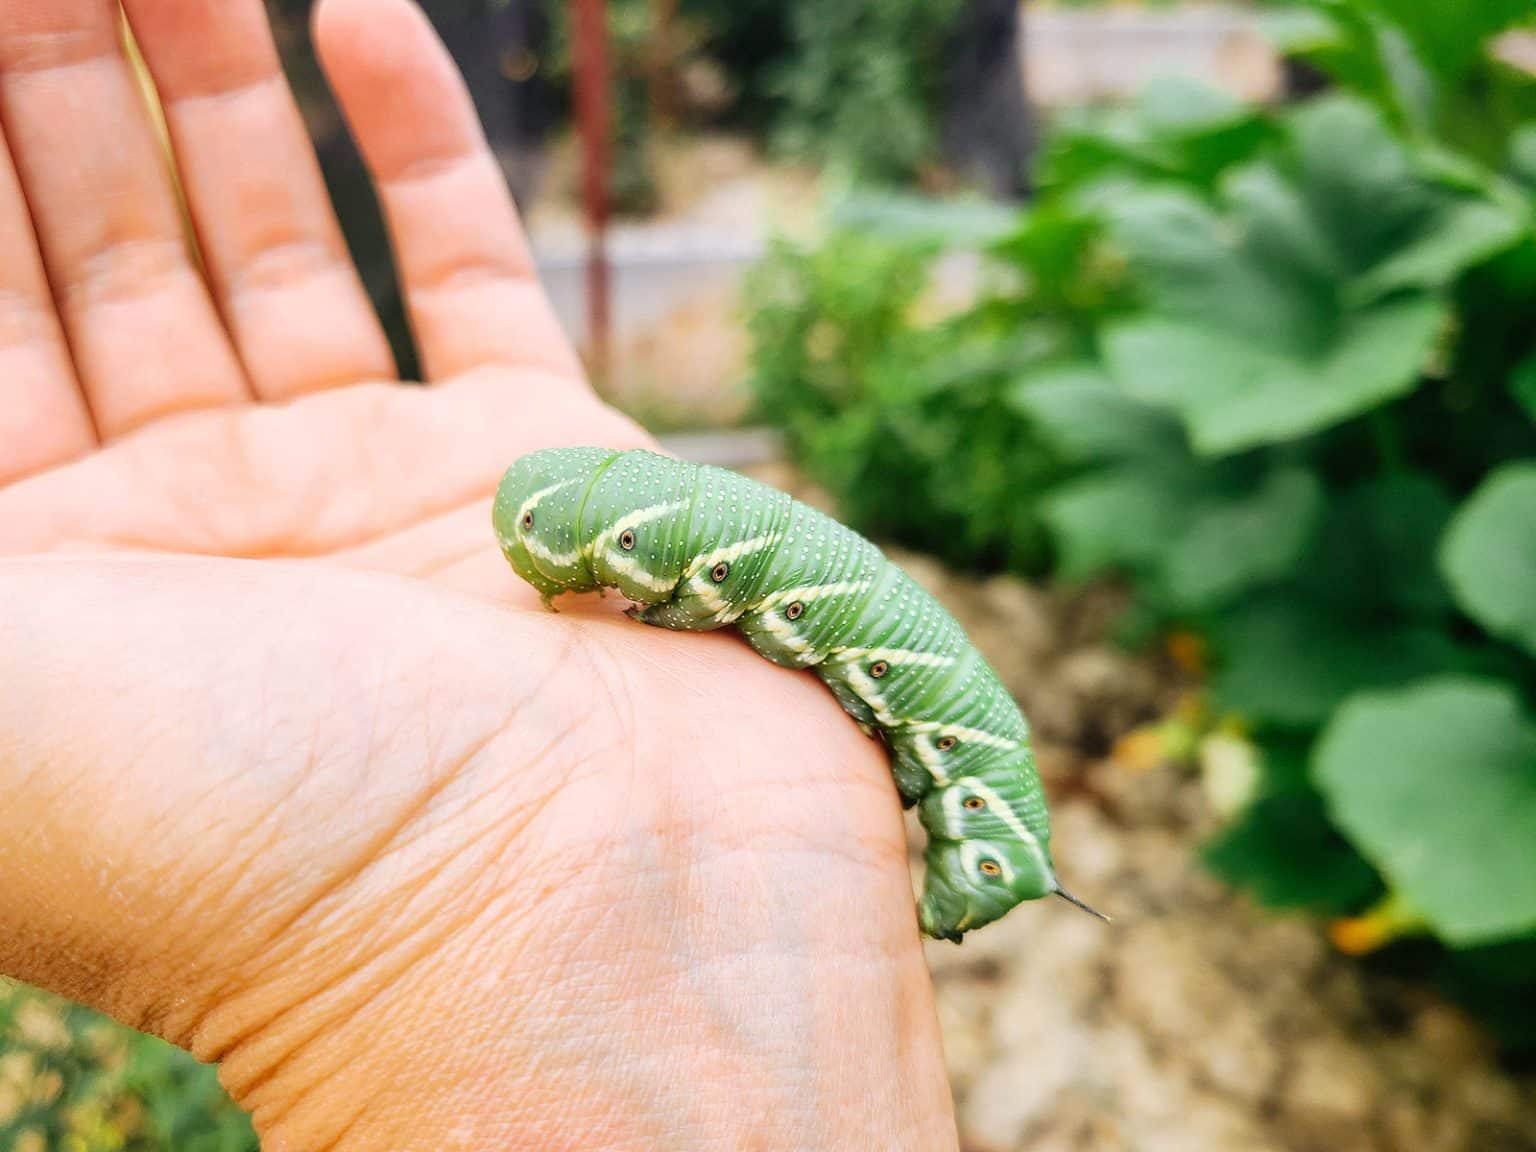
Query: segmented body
(699, 548)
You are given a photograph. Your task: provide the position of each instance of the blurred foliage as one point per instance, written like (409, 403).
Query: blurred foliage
(852, 83)
(863, 82)
(1277, 368)
(71, 1079)
(909, 426)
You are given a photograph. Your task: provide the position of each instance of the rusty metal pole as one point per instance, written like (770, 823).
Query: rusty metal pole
(593, 119)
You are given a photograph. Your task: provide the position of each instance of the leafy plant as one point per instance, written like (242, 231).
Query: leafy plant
(862, 82)
(856, 84)
(908, 426)
(1278, 369)
(71, 1078)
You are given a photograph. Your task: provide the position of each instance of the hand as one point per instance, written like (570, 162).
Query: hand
(296, 773)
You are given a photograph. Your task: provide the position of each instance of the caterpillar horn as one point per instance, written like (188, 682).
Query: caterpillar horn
(1088, 908)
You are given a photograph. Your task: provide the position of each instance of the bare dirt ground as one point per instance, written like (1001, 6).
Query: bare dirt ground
(1196, 1022)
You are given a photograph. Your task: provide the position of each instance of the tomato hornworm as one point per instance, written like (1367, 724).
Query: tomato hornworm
(698, 548)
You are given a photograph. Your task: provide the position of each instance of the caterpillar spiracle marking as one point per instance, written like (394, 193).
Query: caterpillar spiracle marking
(698, 548)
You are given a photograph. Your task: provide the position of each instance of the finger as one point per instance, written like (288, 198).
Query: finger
(145, 337)
(279, 267)
(469, 281)
(43, 420)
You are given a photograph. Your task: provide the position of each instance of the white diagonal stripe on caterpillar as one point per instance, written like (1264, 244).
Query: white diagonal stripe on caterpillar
(702, 584)
(893, 656)
(625, 562)
(928, 757)
(806, 592)
(719, 607)
(784, 632)
(864, 688)
(630, 566)
(953, 800)
(636, 518)
(726, 553)
(962, 734)
(533, 501)
(554, 559)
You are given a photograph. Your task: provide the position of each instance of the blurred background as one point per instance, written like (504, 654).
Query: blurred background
(1187, 351)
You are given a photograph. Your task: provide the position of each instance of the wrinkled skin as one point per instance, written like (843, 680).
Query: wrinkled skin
(297, 774)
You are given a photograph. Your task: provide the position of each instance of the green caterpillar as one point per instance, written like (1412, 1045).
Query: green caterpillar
(698, 548)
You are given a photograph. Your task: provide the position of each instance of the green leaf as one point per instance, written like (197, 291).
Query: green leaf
(1489, 555)
(1170, 104)
(1195, 534)
(1290, 662)
(1235, 394)
(1450, 34)
(1287, 854)
(1377, 547)
(1075, 404)
(1436, 784)
(1522, 385)
(920, 220)
(1463, 234)
(1195, 264)
(1120, 517)
(1316, 288)
(1359, 51)
(1240, 543)
(1178, 130)
(1522, 153)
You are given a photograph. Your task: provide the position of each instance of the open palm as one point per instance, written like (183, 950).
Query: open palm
(422, 867)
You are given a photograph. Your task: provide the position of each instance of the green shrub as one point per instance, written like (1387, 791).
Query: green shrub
(913, 428)
(863, 81)
(1278, 369)
(73, 1079)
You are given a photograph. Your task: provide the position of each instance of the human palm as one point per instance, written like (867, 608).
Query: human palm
(301, 776)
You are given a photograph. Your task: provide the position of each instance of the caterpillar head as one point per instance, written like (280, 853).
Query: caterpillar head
(536, 516)
(973, 882)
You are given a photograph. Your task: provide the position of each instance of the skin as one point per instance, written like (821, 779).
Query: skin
(297, 774)
(697, 549)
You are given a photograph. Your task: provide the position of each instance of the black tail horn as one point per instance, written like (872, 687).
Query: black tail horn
(1071, 899)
